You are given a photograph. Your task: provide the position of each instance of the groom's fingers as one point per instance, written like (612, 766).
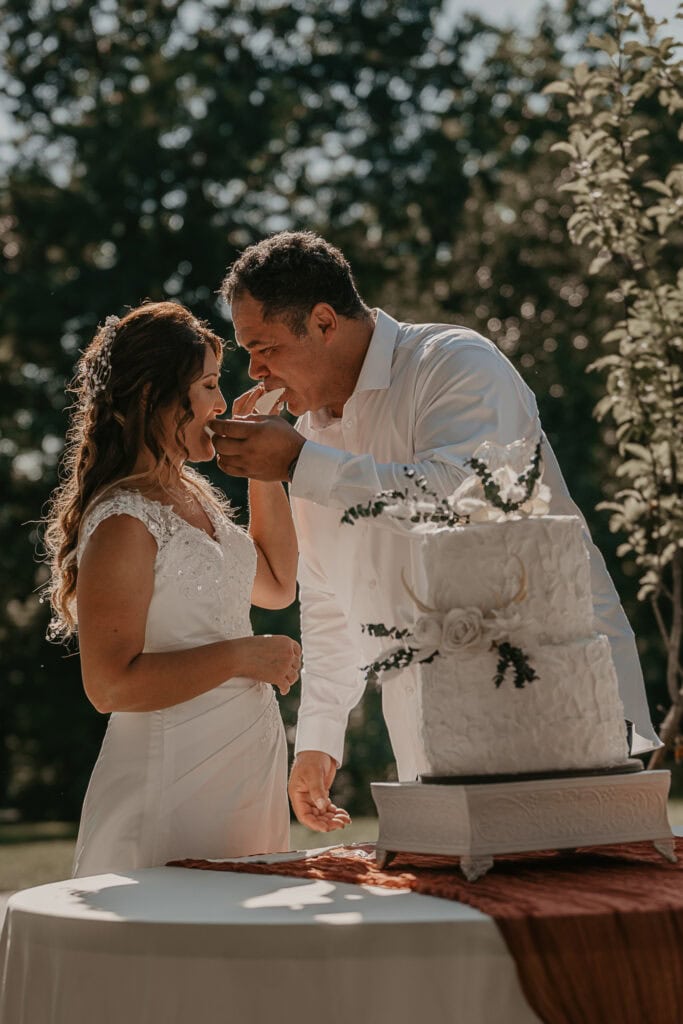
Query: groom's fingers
(308, 793)
(236, 430)
(260, 447)
(312, 818)
(232, 466)
(309, 787)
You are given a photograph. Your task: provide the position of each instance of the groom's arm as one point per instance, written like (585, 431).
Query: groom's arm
(331, 686)
(331, 681)
(463, 394)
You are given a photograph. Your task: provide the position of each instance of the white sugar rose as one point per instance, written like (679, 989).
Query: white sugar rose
(539, 503)
(462, 627)
(427, 631)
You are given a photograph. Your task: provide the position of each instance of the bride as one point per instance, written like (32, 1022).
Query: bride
(148, 566)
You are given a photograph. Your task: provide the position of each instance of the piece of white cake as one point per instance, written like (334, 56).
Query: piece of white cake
(267, 401)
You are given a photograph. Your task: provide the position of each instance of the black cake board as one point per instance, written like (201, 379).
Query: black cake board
(478, 820)
(632, 765)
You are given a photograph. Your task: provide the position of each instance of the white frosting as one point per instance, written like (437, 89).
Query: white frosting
(571, 716)
(537, 567)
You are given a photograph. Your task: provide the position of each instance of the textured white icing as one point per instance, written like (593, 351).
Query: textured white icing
(483, 565)
(570, 717)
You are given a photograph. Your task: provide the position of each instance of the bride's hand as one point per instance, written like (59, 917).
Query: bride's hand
(244, 405)
(271, 659)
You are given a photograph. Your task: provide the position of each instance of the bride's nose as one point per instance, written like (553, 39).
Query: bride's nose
(221, 405)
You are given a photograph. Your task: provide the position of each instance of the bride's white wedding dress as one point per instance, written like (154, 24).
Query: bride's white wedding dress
(208, 777)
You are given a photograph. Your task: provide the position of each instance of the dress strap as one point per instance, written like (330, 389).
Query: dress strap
(126, 503)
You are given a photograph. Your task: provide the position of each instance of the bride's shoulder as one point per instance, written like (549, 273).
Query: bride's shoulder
(123, 502)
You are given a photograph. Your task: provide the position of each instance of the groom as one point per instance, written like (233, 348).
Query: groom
(373, 397)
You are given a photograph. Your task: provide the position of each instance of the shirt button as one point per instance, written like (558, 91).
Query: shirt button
(372, 584)
(348, 423)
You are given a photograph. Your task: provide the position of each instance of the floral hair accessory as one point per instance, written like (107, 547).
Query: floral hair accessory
(96, 373)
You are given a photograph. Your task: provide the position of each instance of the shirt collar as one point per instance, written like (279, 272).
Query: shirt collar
(375, 373)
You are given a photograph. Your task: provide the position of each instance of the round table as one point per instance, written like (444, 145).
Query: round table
(177, 946)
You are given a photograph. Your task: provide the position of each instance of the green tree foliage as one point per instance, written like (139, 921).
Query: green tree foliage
(155, 140)
(627, 214)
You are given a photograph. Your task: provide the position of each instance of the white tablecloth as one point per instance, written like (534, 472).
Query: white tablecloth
(174, 946)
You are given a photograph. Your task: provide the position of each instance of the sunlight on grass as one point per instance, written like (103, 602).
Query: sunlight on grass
(23, 865)
(361, 830)
(36, 854)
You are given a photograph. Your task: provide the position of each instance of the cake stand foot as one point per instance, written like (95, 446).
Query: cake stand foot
(384, 857)
(474, 867)
(667, 849)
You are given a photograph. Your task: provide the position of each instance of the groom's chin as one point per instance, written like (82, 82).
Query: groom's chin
(296, 407)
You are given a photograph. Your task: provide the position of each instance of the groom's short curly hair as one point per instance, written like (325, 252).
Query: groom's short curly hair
(289, 273)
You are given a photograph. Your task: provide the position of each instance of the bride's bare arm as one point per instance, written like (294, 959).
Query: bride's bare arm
(114, 590)
(272, 530)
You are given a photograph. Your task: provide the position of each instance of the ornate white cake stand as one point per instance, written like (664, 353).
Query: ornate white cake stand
(477, 821)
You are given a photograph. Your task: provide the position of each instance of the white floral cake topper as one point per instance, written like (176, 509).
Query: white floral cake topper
(506, 484)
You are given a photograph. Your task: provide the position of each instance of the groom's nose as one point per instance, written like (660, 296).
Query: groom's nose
(257, 367)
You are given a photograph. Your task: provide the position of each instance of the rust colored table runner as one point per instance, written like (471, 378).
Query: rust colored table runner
(597, 936)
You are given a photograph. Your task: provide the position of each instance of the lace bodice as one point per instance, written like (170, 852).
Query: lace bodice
(202, 587)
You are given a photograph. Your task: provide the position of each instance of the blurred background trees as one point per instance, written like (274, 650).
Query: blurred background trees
(152, 141)
(626, 216)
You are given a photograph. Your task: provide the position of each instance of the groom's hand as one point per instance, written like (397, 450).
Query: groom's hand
(259, 447)
(309, 790)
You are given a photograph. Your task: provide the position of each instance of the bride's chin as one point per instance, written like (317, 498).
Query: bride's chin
(202, 452)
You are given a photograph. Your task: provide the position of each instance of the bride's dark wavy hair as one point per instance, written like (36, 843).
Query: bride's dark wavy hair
(158, 350)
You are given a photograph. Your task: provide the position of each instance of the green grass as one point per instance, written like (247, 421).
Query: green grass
(33, 854)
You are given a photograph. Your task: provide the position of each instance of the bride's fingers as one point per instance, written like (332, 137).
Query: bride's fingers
(244, 404)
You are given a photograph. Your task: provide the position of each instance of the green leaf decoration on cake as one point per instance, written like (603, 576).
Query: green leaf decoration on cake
(515, 658)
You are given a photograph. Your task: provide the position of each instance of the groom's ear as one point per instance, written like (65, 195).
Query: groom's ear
(323, 321)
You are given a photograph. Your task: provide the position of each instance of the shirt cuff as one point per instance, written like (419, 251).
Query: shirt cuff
(318, 733)
(316, 472)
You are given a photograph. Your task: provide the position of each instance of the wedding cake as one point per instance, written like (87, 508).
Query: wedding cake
(522, 683)
(513, 678)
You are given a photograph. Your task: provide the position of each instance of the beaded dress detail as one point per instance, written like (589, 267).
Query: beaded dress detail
(205, 778)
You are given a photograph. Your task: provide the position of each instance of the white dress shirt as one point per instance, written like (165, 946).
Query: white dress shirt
(426, 397)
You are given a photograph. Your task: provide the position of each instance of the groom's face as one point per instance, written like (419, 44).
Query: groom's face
(280, 358)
